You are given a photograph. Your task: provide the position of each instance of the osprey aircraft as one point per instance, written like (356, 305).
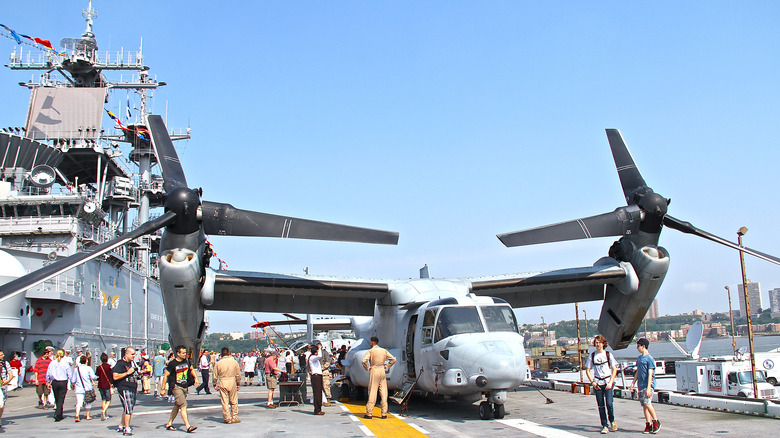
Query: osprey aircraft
(452, 337)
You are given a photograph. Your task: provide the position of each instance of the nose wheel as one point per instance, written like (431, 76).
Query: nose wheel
(489, 410)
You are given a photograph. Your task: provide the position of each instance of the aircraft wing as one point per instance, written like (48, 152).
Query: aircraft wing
(259, 291)
(551, 287)
(322, 324)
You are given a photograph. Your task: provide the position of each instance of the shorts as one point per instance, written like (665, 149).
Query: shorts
(105, 394)
(249, 374)
(179, 396)
(270, 381)
(643, 398)
(42, 390)
(3, 397)
(127, 398)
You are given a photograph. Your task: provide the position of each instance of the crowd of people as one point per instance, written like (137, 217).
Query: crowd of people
(167, 376)
(57, 372)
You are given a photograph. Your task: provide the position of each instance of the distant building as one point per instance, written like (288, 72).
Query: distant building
(652, 312)
(774, 300)
(236, 335)
(754, 294)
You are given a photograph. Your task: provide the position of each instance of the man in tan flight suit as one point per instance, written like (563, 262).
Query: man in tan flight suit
(374, 362)
(227, 377)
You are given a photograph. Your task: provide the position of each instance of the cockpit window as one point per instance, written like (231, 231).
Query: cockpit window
(499, 318)
(427, 330)
(457, 320)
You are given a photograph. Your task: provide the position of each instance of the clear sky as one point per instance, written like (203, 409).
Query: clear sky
(453, 121)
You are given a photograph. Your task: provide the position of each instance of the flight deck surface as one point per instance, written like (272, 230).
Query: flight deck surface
(527, 415)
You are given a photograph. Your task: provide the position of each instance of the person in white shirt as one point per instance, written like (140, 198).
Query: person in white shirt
(601, 368)
(249, 362)
(281, 362)
(315, 369)
(112, 360)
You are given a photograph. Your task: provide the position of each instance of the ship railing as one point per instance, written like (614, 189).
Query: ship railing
(38, 225)
(106, 60)
(61, 284)
(30, 190)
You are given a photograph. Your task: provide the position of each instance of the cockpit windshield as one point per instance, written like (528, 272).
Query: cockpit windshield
(499, 318)
(457, 320)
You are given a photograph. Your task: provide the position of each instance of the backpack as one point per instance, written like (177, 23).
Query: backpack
(326, 358)
(592, 355)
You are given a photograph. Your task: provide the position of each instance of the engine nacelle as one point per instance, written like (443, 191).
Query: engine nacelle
(180, 277)
(622, 312)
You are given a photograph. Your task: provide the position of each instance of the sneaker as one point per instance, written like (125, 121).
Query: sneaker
(648, 428)
(656, 426)
(614, 426)
(128, 432)
(604, 430)
(120, 429)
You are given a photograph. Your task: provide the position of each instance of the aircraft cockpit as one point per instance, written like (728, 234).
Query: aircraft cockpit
(463, 315)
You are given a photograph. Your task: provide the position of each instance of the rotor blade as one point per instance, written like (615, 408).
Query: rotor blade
(173, 174)
(226, 220)
(629, 175)
(39, 276)
(687, 227)
(624, 220)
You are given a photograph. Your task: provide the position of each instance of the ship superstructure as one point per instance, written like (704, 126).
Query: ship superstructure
(74, 176)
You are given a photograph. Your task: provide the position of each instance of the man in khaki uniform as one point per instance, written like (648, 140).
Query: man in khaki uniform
(227, 377)
(374, 362)
(326, 360)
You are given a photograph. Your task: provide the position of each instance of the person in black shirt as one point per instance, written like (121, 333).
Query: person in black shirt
(124, 374)
(183, 375)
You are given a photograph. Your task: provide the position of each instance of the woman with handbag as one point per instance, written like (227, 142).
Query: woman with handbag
(81, 379)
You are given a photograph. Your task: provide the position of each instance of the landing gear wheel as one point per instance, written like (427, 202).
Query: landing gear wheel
(485, 410)
(498, 411)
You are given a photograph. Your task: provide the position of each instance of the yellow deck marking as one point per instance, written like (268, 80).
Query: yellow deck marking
(391, 427)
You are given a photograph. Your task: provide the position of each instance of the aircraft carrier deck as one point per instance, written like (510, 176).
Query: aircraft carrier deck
(528, 415)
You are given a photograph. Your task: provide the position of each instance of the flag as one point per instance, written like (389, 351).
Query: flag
(44, 43)
(129, 116)
(13, 33)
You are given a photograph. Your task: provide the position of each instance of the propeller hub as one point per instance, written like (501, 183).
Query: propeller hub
(185, 203)
(655, 207)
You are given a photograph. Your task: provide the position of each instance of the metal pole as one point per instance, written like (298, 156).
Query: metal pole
(587, 338)
(579, 350)
(733, 333)
(741, 233)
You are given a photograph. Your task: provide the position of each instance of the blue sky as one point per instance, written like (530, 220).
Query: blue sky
(451, 122)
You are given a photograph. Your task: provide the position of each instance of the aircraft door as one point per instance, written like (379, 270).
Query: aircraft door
(410, 332)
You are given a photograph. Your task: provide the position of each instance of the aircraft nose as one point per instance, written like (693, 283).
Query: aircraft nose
(489, 365)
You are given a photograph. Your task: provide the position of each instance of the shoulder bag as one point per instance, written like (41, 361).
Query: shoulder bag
(89, 395)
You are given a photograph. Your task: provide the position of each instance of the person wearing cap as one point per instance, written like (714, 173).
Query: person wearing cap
(374, 362)
(271, 370)
(158, 370)
(644, 380)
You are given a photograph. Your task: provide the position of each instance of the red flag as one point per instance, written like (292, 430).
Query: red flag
(44, 43)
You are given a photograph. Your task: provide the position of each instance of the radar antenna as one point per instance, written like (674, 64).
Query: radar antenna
(89, 14)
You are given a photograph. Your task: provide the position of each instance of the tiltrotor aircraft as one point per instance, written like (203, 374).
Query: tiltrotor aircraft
(454, 337)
